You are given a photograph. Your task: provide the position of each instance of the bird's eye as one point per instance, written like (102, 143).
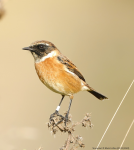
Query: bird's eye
(41, 47)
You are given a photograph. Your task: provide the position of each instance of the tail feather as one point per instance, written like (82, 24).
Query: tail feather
(98, 95)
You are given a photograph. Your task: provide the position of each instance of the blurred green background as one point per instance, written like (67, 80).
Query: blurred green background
(98, 36)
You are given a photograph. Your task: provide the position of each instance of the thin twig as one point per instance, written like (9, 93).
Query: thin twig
(126, 134)
(68, 141)
(115, 114)
(72, 142)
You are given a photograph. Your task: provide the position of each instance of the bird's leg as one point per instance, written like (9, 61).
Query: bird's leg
(66, 116)
(57, 110)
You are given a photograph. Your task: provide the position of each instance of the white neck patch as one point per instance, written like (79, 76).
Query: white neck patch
(52, 54)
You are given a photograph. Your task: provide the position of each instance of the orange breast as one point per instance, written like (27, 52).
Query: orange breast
(53, 75)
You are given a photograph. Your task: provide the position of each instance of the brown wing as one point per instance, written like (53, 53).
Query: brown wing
(70, 66)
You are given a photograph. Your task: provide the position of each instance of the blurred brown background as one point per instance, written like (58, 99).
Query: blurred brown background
(98, 37)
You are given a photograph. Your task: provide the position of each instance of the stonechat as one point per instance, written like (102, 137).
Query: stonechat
(58, 73)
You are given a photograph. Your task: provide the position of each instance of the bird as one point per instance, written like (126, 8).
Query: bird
(58, 73)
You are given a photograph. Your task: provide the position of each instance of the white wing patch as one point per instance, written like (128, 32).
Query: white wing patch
(70, 72)
(84, 88)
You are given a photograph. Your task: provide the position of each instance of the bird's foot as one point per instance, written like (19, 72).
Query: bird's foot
(54, 115)
(57, 118)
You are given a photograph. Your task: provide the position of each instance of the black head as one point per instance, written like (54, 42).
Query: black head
(40, 49)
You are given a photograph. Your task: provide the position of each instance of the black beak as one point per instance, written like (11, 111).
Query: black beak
(27, 48)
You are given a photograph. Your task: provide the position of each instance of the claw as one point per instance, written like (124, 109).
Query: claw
(53, 115)
(62, 118)
(56, 113)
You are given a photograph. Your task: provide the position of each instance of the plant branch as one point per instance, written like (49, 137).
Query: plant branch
(72, 142)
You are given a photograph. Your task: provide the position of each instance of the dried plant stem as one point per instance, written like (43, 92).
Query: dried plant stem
(72, 142)
(115, 114)
(68, 141)
(126, 134)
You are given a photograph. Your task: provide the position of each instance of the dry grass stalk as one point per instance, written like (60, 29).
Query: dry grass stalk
(72, 142)
(114, 114)
(126, 134)
(40, 148)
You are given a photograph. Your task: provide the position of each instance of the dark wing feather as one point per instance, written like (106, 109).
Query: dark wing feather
(70, 66)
